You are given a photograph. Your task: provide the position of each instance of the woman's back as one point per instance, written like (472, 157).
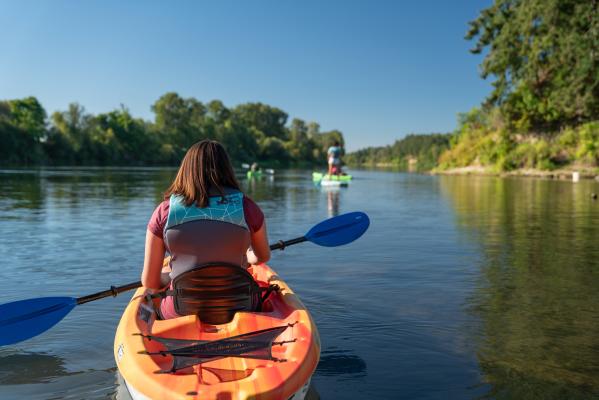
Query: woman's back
(204, 220)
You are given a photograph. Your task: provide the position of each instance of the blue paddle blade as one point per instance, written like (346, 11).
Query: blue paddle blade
(339, 230)
(24, 319)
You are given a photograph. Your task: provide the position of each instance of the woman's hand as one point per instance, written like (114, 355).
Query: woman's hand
(260, 250)
(251, 257)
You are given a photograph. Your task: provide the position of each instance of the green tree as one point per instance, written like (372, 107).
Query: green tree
(22, 127)
(29, 115)
(300, 147)
(126, 138)
(217, 112)
(266, 120)
(544, 55)
(272, 148)
(239, 142)
(180, 121)
(68, 140)
(313, 129)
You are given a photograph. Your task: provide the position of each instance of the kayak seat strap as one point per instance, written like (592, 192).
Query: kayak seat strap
(268, 290)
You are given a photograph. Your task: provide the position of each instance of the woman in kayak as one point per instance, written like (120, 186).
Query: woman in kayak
(205, 219)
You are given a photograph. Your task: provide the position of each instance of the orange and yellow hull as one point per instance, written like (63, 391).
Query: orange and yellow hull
(227, 378)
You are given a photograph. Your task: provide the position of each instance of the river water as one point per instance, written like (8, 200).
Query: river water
(463, 287)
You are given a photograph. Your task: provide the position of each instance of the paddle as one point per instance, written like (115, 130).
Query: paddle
(24, 319)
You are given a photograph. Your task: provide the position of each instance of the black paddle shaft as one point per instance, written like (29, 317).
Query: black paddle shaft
(282, 244)
(113, 291)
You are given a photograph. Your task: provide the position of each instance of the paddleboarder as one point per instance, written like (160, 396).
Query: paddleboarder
(334, 158)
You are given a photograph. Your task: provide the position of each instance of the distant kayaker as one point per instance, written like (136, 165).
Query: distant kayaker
(205, 219)
(255, 167)
(334, 158)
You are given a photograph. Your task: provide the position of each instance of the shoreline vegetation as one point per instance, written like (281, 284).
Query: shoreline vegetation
(250, 132)
(484, 144)
(415, 153)
(479, 149)
(542, 115)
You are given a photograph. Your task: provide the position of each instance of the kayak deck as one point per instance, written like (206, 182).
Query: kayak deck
(230, 377)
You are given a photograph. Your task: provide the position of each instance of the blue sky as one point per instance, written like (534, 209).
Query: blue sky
(375, 70)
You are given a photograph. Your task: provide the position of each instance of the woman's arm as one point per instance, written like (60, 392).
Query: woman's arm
(154, 256)
(260, 251)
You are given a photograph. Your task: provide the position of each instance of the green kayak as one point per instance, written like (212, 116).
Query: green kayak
(254, 174)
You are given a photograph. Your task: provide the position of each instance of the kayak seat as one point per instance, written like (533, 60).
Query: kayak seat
(216, 291)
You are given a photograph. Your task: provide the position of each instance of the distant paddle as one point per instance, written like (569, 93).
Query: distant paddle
(24, 319)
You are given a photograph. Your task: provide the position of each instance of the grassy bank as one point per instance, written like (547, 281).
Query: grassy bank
(483, 143)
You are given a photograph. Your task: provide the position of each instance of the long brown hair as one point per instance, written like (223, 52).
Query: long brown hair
(205, 167)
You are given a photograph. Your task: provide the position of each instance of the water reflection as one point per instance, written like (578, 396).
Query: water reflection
(40, 376)
(72, 186)
(332, 202)
(341, 362)
(28, 184)
(261, 183)
(25, 368)
(537, 294)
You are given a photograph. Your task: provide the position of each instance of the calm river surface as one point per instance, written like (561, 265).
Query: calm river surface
(464, 287)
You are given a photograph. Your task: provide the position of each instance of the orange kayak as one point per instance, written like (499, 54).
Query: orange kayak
(146, 350)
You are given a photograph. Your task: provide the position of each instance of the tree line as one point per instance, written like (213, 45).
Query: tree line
(250, 132)
(415, 152)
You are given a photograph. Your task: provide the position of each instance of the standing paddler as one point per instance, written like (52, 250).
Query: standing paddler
(334, 158)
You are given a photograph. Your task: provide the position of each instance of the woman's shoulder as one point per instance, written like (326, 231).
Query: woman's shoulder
(249, 203)
(253, 214)
(159, 217)
(164, 205)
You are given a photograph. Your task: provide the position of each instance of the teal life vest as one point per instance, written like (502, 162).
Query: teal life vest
(216, 233)
(208, 247)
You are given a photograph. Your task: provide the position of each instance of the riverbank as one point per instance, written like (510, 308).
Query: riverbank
(564, 173)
